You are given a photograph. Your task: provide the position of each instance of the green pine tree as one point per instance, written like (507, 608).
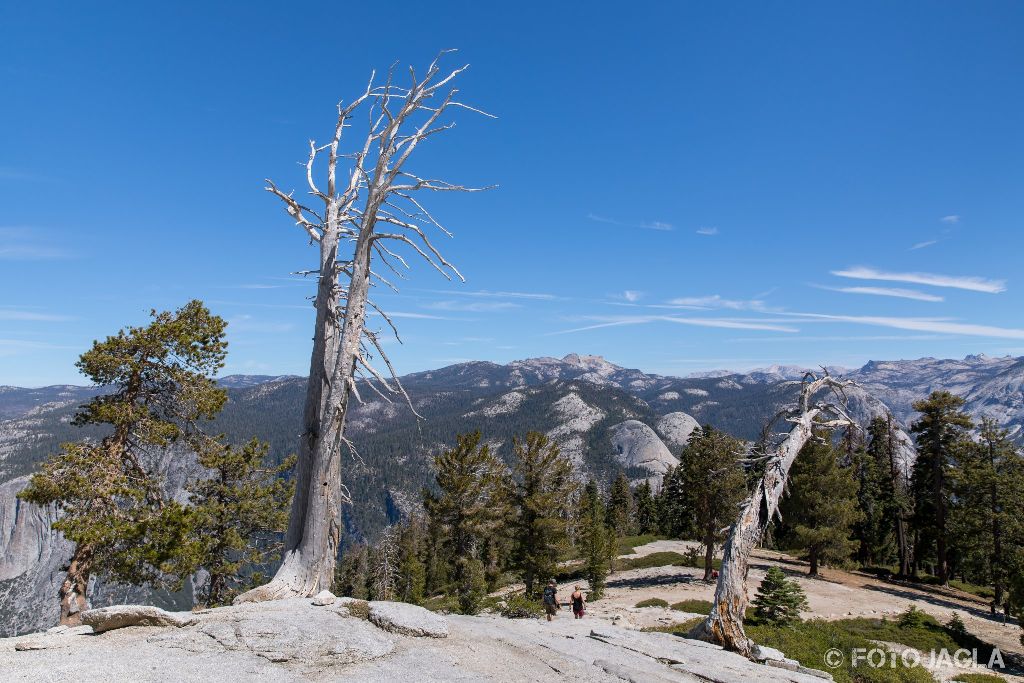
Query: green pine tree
(645, 515)
(238, 513)
(595, 539)
(988, 486)
(412, 571)
(711, 486)
(620, 506)
(352, 573)
(158, 385)
(822, 506)
(540, 504)
(779, 600)
(471, 508)
(941, 435)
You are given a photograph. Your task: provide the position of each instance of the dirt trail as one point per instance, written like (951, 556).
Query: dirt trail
(836, 594)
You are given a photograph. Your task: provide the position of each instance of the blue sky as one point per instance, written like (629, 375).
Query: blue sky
(682, 186)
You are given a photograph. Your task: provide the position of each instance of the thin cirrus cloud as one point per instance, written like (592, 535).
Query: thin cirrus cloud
(537, 296)
(723, 323)
(968, 282)
(28, 244)
(922, 245)
(473, 306)
(952, 218)
(886, 291)
(31, 316)
(708, 232)
(646, 225)
(716, 301)
(921, 325)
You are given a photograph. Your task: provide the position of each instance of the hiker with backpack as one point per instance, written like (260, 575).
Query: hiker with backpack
(551, 599)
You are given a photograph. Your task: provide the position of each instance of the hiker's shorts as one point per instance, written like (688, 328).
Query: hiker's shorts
(551, 609)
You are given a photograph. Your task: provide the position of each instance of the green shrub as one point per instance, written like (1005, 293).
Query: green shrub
(652, 602)
(779, 600)
(956, 625)
(978, 678)
(518, 606)
(914, 618)
(627, 545)
(359, 609)
(693, 606)
(665, 558)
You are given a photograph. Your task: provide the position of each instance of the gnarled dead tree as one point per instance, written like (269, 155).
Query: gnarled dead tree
(724, 625)
(369, 206)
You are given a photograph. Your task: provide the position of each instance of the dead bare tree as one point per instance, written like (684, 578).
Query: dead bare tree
(724, 625)
(363, 218)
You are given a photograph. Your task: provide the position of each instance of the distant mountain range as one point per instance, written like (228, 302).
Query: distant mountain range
(605, 417)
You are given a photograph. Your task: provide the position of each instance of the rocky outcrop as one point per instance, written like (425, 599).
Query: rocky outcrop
(637, 445)
(31, 557)
(407, 620)
(121, 616)
(291, 640)
(675, 429)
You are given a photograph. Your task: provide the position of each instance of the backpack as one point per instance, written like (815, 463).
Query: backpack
(549, 595)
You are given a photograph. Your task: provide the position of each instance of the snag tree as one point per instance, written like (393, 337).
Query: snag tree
(369, 205)
(724, 625)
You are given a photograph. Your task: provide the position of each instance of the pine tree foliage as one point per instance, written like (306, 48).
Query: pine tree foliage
(941, 433)
(821, 509)
(645, 509)
(470, 508)
(412, 570)
(779, 600)
(540, 508)
(236, 516)
(596, 539)
(711, 486)
(620, 506)
(159, 387)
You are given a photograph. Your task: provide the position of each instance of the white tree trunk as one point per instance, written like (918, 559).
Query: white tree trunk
(724, 625)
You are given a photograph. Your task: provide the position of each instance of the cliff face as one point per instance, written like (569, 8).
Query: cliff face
(31, 557)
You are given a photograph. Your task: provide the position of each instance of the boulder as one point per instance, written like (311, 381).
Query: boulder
(637, 445)
(324, 598)
(119, 616)
(408, 620)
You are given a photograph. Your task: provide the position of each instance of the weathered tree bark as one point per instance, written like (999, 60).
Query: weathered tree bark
(342, 342)
(724, 625)
(73, 588)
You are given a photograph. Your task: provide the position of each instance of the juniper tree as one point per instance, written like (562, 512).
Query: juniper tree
(158, 385)
(238, 510)
(941, 433)
(595, 539)
(540, 505)
(821, 509)
(471, 504)
(779, 600)
(711, 485)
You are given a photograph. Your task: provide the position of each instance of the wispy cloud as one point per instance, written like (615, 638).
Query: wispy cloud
(248, 323)
(922, 245)
(411, 315)
(939, 326)
(724, 323)
(886, 291)
(28, 244)
(630, 295)
(14, 347)
(709, 231)
(952, 218)
(472, 306)
(11, 173)
(971, 283)
(31, 316)
(716, 301)
(646, 225)
(498, 295)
